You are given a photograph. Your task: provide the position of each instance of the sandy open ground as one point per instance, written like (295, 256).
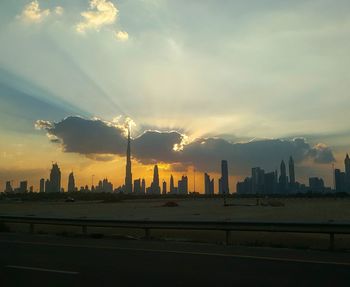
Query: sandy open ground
(321, 210)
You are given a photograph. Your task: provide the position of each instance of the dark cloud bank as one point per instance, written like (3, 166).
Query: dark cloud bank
(98, 139)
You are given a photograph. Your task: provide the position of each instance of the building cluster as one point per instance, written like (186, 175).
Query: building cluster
(342, 179)
(260, 182)
(23, 187)
(223, 181)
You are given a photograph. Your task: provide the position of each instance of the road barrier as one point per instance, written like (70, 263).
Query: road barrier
(330, 228)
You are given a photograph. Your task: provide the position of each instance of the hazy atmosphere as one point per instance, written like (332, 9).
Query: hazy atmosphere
(252, 82)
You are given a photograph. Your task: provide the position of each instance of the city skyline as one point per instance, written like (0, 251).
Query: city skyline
(199, 95)
(259, 183)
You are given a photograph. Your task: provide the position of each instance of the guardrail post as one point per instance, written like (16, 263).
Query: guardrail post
(84, 229)
(331, 241)
(31, 228)
(147, 233)
(228, 237)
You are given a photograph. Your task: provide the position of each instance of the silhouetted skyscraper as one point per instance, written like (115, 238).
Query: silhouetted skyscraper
(283, 177)
(224, 178)
(71, 182)
(291, 172)
(107, 186)
(316, 184)
(339, 178)
(164, 187)
(137, 186)
(347, 173)
(8, 187)
(55, 178)
(47, 186)
(172, 187)
(155, 183)
(258, 175)
(347, 165)
(244, 187)
(270, 183)
(23, 186)
(143, 186)
(42, 185)
(128, 174)
(208, 185)
(183, 185)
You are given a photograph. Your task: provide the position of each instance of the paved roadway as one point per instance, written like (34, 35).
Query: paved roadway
(41, 260)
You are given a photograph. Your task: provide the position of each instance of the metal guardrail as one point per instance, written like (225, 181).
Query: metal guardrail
(330, 228)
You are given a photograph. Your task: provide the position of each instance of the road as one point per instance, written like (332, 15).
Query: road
(42, 260)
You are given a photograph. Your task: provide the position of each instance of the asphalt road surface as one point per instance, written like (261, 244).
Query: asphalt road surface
(41, 260)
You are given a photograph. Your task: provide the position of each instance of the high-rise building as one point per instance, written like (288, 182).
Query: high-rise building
(291, 172)
(155, 183)
(172, 187)
(55, 178)
(47, 186)
(183, 185)
(23, 186)
(164, 191)
(137, 186)
(42, 185)
(270, 183)
(347, 165)
(128, 174)
(143, 186)
(71, 182)
(316, 184)
(347, 173)
(244, 187)
(8, 187)
(107, 186)
(208, 185)
(224, 178)
(258, 175)
(339, 178)
(283, 177)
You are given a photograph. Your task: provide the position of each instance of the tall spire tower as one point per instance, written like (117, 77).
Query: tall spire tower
(128, 174)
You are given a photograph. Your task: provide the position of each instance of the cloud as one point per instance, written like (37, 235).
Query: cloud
(33, 13)
(122, 36)
(59, 10)
(95, 138)
(83, 136)
(101, 13)
(322, 153)
(43, 125)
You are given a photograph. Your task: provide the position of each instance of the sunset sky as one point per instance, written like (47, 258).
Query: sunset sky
(252, 82)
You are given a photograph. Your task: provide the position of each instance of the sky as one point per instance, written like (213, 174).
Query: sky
(249, 81)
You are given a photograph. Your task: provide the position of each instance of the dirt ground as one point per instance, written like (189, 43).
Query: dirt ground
(321, 210)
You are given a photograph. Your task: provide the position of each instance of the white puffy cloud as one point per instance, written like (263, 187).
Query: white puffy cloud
(122, 36)
(42, 124)
(33, 13)
(101, 13)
